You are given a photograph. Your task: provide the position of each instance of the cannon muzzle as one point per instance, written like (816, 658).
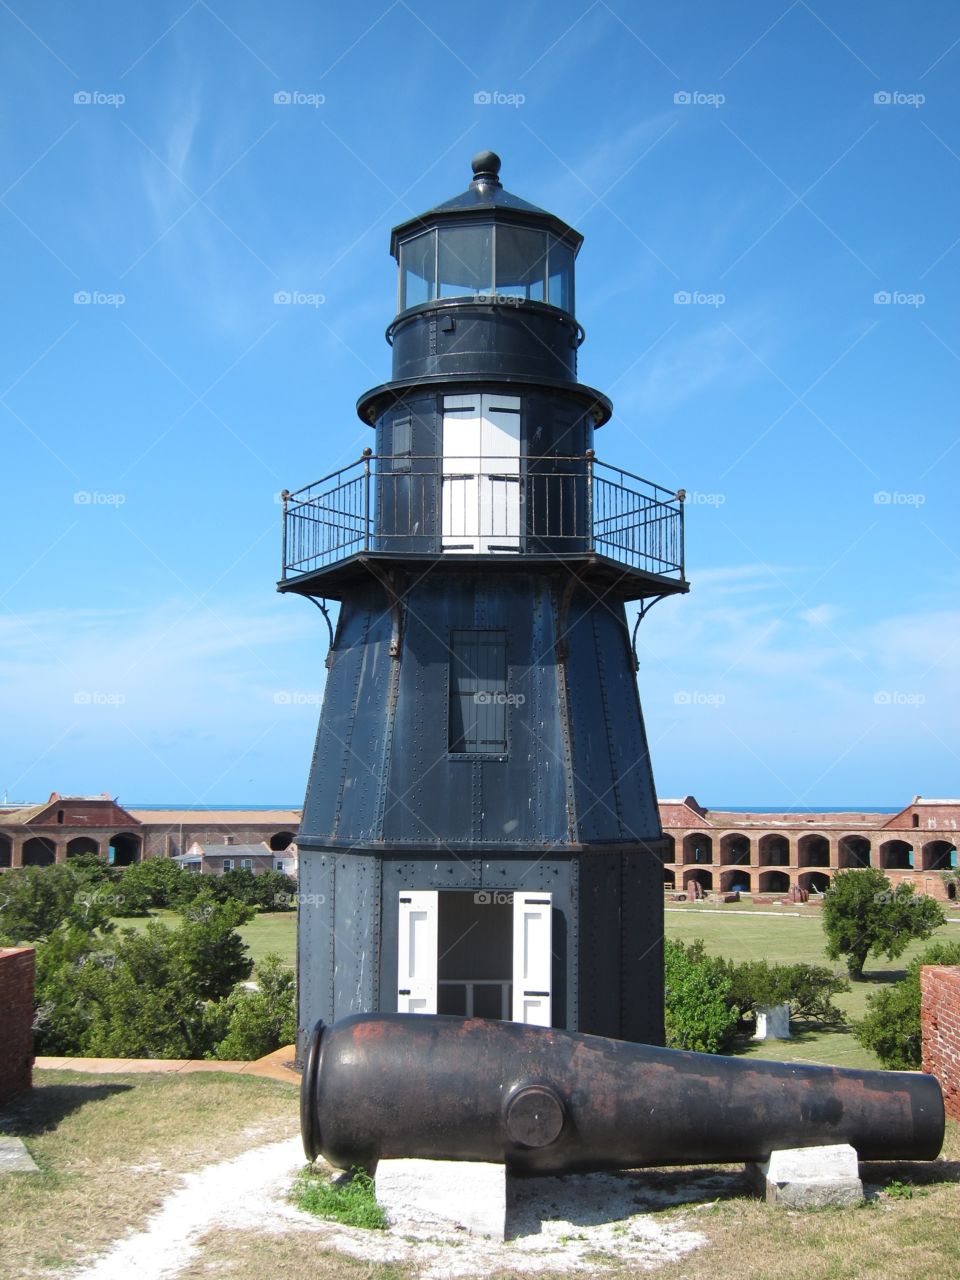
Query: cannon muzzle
(379, 1086)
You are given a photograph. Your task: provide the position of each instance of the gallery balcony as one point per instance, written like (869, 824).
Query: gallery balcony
(618, 530)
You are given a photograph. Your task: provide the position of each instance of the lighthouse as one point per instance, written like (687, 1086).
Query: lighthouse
(480, 833)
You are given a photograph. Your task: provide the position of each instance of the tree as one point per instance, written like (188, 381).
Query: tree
(210, 951)
(156, 882)
(807, 988)
(37, 901)
(891, 1026)
(262, 1020)
(697, 1011)
(862, 914)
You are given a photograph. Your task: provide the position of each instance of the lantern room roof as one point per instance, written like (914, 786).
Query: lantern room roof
(485, 196)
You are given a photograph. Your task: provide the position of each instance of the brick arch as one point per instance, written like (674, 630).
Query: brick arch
(39, 851)
(735, 849)
(6, 851)
(774, 848)
(814, 881)
(704, 878)
(774, 882)
(939, 855)
(853, 852)
(813, 850)
(698, 843)
(735, 879)
(896, 855)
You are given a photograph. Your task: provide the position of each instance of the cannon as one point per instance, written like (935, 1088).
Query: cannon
(546, 1101)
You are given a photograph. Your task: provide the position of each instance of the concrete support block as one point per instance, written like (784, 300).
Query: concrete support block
(809, 1177)
(472, 1196)
(773, 1022)
(15, 1158)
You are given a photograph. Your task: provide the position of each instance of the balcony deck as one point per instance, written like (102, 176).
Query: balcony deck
(573, 513)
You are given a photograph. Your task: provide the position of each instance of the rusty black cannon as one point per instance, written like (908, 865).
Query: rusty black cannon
(547, 1101)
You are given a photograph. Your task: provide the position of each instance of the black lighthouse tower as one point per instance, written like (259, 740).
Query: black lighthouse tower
(480, 833)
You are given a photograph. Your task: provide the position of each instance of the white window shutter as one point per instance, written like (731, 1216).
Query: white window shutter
(532, 958)
(417, 960)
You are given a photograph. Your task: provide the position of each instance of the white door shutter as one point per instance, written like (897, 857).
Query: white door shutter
(481, 473)
(500, 484)
(532, 958)
(417, 959)
(461, 473)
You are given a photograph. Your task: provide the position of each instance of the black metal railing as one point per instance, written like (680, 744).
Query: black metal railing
(526, 505)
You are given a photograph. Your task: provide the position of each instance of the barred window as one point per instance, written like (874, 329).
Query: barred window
(478, 692)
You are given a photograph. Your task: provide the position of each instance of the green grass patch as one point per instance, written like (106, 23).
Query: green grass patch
(351, 1200)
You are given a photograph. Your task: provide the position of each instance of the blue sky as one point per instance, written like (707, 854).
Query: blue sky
(782, 163)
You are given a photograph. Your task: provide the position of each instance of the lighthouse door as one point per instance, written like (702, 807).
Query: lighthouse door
(481, 473)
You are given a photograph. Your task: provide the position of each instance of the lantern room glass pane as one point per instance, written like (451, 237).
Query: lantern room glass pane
(560, 278)
(521, 263)
(465, 261)
(418, 268)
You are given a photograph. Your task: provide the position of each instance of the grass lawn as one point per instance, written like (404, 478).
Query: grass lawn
(110, 1149)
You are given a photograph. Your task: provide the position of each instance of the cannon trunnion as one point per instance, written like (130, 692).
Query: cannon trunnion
(546, 1101)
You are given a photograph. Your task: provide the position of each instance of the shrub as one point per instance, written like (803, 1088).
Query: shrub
(891, 1026)
(807, 988)
(258, 1022)
(863, 914)
(697, 1011)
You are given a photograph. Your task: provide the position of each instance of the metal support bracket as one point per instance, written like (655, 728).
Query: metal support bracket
(645, 606)
(386, 580)
(322, 606)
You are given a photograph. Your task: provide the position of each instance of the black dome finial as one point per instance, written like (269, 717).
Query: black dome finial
(486, 167)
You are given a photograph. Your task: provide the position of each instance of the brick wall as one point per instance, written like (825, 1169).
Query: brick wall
(16, 1017)
(940, 1029)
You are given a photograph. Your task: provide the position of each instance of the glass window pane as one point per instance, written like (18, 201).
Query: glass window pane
(478, 691)
(560, 293)
(521, 262)
(417, 270)
(465, 267)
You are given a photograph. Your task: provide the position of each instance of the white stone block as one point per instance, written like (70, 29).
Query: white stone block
(469, 1195)
(15, 1158)
(809, 1177)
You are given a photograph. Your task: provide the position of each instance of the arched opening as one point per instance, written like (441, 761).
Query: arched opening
(854, 853)
(698, 848)
(281, 840)
(124, 849)
(39, 852)
(734, 882)
(703, 878)
(669, 879)
(774, 882)
(774, 850)
(813, 851)
(6, 851)
(896, 855)
(952, 891)
(939, 855)
(735, 849)
(814, 881)
(82, 844)
(669, 848)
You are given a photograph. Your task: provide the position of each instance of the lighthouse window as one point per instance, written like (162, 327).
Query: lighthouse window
(418, 270)
(478, 692)
(465, 261)
(560, 276)
(521, 263)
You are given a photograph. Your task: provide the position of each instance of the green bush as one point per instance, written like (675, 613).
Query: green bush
(891, 1026)
(807, 988)
(258, 1022)
(697, 1010)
